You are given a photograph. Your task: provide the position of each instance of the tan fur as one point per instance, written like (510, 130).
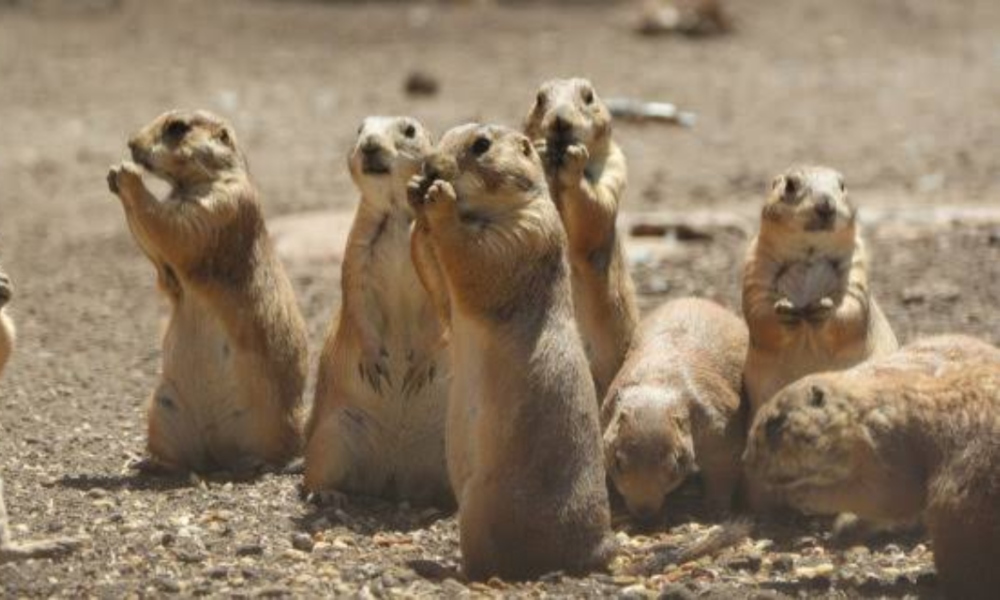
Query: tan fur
(9, 550)
(523, 437)
(8, 333)
(586, 171)
(805, 286)
(916, 434)
(675, 407)
(377, 426)
(234, 353)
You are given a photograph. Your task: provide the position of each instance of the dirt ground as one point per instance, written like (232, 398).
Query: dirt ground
(901, 95)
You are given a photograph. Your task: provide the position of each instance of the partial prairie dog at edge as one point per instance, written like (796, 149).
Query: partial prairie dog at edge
(806, 296)
(911, 436)
(234, 351)
(587, 174)
(675, 408)
(521, 402)
(377, 426)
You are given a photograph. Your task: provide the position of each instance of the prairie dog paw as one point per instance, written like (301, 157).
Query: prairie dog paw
(124, 177)
(785, 308)
(441, 192)
(416, 191)
(575, 160)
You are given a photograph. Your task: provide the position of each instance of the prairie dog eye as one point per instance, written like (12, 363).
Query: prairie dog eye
(176, 130)
(817, 398)
(481, 145)
(792, 188)
(225, 138)
(410, 131)
(588, 96)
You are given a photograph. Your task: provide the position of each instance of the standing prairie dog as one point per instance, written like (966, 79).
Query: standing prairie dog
(8, 333)
(377, 426)
(10, 551)
(234, 352)
(805, 286)
(675, 407)
(586, 172)
(913, 435)
(523, 438)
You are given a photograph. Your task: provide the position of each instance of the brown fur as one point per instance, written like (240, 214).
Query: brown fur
(377, 426)
(523, 437)
(10, 551)
(7, 331)
(675, 407)
(908, 436)
(805, 287)
(586, 171)
(234, 353)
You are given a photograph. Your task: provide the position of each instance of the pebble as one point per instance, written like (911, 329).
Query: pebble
(750, 562)
(675, 591)
(249, 550)
(783, 563)
(303, 542)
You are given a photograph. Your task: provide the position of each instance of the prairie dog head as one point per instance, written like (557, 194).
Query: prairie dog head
(810, 201)
(187, 148)
(566, 112)
(492, 168)
(813, 437)
(387, 153)
(648, 448)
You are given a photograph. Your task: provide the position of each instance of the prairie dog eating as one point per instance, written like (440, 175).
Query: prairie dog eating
(674, 408)
(377, 426)
(234, 352)
(523, 439)
(806, 296)
(587, 174)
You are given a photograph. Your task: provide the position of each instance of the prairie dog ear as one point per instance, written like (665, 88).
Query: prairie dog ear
(778, 183)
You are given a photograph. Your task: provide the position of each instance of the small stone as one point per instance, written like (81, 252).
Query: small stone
(219, 572)
(165, 584)
(783, 563)
(451, 587)
(675, 591)
(635, 591)
(303, 542)
(856, 554)
(250, 550)
(750, 562)
(927, 578)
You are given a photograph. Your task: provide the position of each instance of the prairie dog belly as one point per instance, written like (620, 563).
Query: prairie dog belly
(198, 359)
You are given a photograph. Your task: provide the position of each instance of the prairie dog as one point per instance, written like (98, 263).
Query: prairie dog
(523, 438)
(805, 286)
(234, 352)
(894, 441)
(10, 551)
(8, 333)
(675, 407)
(586, 172)
(377, 426)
